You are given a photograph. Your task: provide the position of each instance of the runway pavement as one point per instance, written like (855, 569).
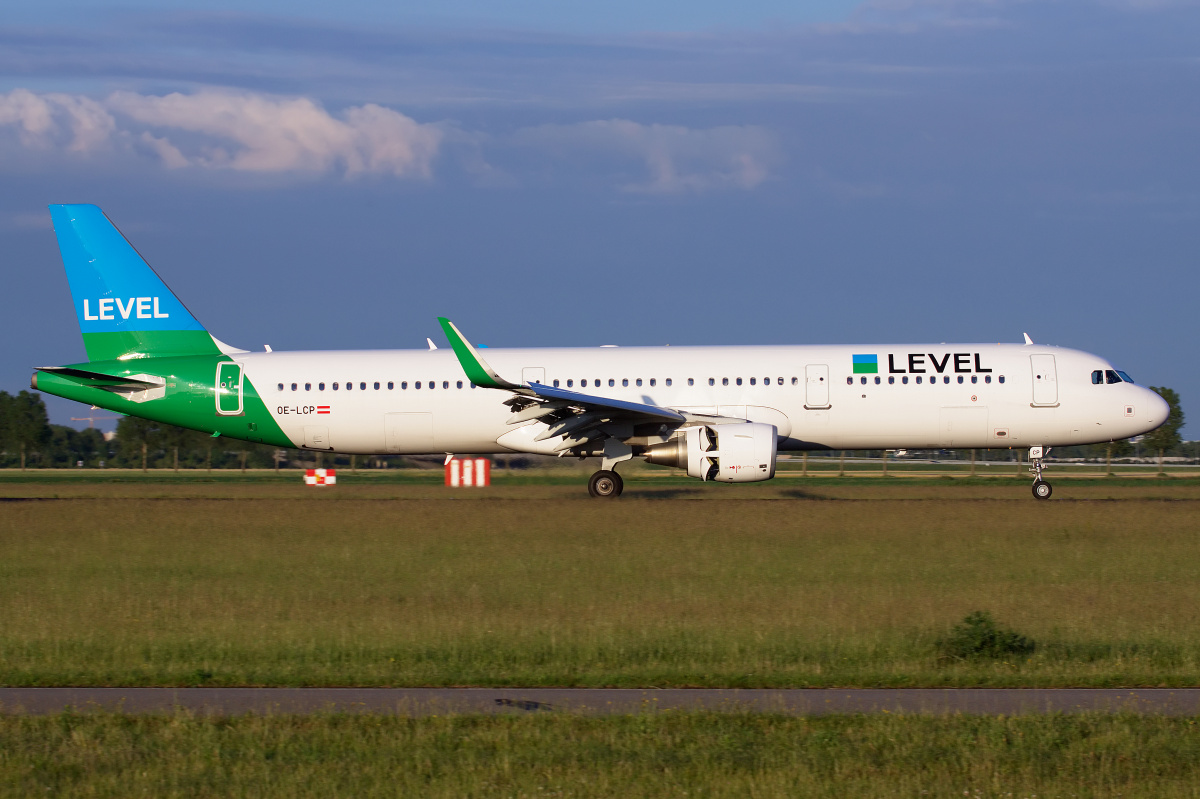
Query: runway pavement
(601, 701)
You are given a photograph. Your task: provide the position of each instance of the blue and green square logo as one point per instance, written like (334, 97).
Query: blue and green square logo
(866, 364)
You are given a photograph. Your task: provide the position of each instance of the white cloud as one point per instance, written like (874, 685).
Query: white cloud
(677, 159)
(75, 123)
(228, 130)
(261, 133)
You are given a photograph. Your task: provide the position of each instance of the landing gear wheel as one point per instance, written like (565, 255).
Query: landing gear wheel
(1042, 489)
(605, 483)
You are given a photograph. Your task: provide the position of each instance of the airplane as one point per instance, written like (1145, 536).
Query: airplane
(717, 413)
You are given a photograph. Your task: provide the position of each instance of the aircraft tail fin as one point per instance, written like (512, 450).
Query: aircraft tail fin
(124, 308)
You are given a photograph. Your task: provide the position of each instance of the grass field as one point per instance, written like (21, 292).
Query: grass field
(652, 755)
(815, 582)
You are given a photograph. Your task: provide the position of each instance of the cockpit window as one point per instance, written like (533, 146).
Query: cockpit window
(1111, 377)
(1124, 376)
(1097, 377)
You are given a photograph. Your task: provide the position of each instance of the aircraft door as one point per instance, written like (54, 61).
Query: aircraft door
(816, 386)
(229, 389)
(1045, 380)
(533, 374)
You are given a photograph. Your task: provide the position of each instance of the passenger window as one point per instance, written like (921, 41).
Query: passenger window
(739, 381)
(794, 380)
(377, 386)
(904, 380)
(570, 383)
(712, 381)
(724, 381)
(918, 380)
(417, 384)
(335, 386)
(445, 384)
(653, 382)
(1111, 377)
(891, 380)
(1001, 378)
(987, 378)
(752, 381)
(459, 384)
(960, 379)
(638, 381)
(781, 381)
(1097, 377)
(878, 381)
(583, 383)
(863, 380)
(404, 385)
(691, 382)
(320, 386)
(974, 378)
(849, 381)
(667, 381)
(281, 386)
(391, 385)
(625, 382)
(611, 382)
(555, 383)
(293, 386)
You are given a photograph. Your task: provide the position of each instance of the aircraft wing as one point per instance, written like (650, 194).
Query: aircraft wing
(573, 416)
(615, 407)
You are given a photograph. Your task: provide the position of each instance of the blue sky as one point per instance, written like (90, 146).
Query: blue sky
(577, 174)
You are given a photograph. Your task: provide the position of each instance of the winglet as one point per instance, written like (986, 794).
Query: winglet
(476, 368)
(1028, 340)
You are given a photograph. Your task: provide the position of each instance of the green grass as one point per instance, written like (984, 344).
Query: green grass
(783, 584)
(650, 755)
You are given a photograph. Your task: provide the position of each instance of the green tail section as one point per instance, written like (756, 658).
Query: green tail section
(147, 354)
(178, 391)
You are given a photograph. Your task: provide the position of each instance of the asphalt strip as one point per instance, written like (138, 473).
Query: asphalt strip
(601, 701)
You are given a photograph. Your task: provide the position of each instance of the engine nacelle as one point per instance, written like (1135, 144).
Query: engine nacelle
(731, 453)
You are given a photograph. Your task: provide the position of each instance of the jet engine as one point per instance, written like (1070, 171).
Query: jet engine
(731, 453)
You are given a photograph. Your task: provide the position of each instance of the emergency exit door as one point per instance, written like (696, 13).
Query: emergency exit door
(229, 389)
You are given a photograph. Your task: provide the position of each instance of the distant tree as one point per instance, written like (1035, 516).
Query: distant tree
(136, 436)
(1167, 435)
(24, 426)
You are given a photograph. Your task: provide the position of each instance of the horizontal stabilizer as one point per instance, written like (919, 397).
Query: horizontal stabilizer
(97, 379)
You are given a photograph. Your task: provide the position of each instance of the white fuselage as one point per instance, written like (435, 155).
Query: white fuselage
(968, 396)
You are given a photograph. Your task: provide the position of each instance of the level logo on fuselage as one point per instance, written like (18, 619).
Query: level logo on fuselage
(958, 362)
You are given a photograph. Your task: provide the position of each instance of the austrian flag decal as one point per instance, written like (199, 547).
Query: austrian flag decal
(322, 409)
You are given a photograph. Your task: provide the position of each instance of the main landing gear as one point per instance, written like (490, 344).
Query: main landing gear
(1041, 489)
(606, 483)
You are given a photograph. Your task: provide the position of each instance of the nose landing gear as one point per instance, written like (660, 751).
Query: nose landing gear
(1041, 489)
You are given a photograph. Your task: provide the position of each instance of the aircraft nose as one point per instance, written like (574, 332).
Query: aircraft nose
(1157, 409)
